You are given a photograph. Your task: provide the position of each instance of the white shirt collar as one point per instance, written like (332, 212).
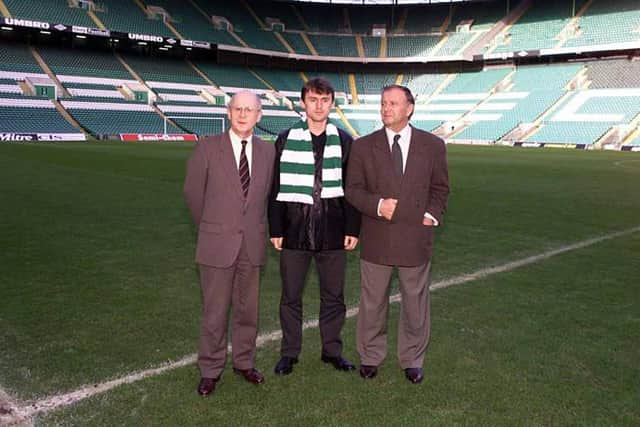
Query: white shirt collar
(236, 146)
(235, 139)
(405, 135)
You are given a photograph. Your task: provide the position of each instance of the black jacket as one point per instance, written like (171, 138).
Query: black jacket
(323, 225)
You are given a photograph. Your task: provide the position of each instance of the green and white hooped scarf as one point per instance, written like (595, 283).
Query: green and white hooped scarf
(297, 166)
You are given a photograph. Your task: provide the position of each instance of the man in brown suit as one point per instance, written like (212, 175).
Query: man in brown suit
(398, 180)
(226, 189)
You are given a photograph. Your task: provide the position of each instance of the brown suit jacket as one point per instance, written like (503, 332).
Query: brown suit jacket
(424, 187)
(213, 193)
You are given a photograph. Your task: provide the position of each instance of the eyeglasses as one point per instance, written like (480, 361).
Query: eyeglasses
(246, 110)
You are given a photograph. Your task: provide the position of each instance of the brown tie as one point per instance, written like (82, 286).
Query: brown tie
(243, 169)
(396, 153)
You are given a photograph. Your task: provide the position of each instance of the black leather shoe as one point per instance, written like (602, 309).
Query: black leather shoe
(414, 375)
(207, 386)
(340, 363)
(285, 365)
(252, 375)
(368, 371)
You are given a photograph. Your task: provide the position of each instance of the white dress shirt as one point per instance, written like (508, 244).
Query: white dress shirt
(404, 142)
(236, 144)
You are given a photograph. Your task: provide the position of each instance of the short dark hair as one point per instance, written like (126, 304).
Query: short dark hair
(407, 93)
(318, 85)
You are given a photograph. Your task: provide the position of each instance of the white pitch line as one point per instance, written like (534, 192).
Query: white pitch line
(48, 404)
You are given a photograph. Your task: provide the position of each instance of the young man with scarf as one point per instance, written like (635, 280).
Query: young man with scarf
(309, 218)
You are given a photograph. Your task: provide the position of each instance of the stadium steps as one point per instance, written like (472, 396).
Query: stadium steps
(401, 22)
(41, 62)
(346, 122)
(462, 123)
(297, 13)
(438, 46)
(537, 123)
(631, 137)
(284, 42)
(201, 74)
(573, 23)
(264, 82)
(447, 19)
(501, 27)
(169, 121)
(96, 20)
(173, 30)
(360, 46)
(253, 13)
(69, 118)
(383, 47)
(5, 10)
(353, 88)
(346, 20)
(310, 45)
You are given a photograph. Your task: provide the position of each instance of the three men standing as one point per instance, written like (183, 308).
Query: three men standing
(309, 218)
(398, 180)
(227, 189)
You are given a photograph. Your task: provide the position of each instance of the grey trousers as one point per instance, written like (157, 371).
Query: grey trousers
(414, 327)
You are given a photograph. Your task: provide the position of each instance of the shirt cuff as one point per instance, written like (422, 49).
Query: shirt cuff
(378, 209)
(432, 218)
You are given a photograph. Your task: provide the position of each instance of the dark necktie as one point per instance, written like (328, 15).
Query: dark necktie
(396, 153)
(243, 170)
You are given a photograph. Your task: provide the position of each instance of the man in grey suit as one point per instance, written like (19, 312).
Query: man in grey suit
(398, 180)
(226, 189)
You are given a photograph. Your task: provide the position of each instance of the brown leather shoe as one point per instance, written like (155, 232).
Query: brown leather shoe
(415, 375)
(207, 386)
(252, 375)
(368, 371)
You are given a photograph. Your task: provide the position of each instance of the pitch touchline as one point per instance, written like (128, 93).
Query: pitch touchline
(54, 402)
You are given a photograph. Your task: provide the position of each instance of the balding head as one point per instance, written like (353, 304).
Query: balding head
(244, 111)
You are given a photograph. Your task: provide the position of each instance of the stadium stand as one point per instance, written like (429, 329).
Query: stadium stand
(419, 22)
(297, 43)
(83, 62)
(402, 46)
(606, 22)
(323, 19)
(619, 73)
(16, 57)
(32, 116)
(285, 13)
(539, 27)
(231, 78)
(511, 102)
(192, 23)
(58, 11)
(534, 89)
(332, 45)
(127, 16)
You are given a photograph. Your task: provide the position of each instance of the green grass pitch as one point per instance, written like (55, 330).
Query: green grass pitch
(97, 280)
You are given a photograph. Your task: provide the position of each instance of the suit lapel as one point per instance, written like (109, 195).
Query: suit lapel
(383, 159)
(417, 159)
(230, 166)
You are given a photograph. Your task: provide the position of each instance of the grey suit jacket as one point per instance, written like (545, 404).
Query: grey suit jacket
(213, 193)
(424, 187)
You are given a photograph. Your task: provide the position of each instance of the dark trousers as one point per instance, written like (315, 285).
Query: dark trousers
(294, 265)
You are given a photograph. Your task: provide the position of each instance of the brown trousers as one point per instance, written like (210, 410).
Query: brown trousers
(414, 327)
(223, 288)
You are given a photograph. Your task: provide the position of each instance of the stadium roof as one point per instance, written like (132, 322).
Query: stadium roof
(382, 2)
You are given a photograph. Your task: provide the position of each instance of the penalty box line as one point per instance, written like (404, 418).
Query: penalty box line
(26, 412)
